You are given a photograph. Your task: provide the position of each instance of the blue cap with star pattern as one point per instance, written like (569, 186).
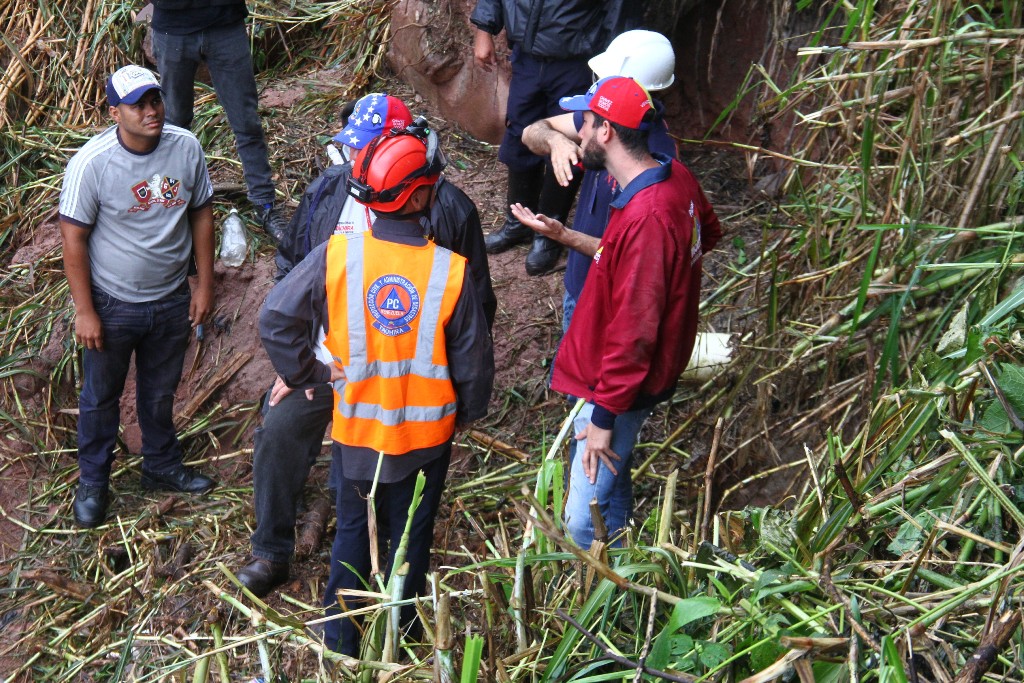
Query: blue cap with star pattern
(373, 115)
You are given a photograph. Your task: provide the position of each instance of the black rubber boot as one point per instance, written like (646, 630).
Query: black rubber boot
(555, 202)
(523, 188)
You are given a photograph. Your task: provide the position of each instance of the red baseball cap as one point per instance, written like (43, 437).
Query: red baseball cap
(619, 99)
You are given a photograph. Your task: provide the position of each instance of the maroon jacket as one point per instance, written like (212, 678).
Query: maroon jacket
(635, 324)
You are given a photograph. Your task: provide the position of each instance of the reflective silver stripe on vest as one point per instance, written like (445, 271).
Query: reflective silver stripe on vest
(422, 363)
(355, 303)
(392, 418)
(430, 313)
(395, 369)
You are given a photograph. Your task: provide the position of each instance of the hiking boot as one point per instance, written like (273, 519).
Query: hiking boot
(274, 223)
(262, 576)
(523, 188)
(511, 234)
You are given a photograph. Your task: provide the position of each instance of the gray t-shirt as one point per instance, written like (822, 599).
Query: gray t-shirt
(136, 206)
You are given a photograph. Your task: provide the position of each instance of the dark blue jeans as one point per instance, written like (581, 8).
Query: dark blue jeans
(350, 556)
(226, 53)
(157, 333)
(284, 450)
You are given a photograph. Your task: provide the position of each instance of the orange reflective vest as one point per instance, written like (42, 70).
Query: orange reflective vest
(387, 307)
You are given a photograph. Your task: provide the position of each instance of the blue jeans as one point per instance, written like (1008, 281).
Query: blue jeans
(226, 53)
(614, 493)
(568, 308)
(284, 450)
(350, 556)
(157, 332)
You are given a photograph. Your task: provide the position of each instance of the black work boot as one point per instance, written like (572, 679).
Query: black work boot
(555, 202)
(90, 506)
(180, 479)
(262, 576)
(274, 223)
(543, 256)
(523, 188)
(511, 234)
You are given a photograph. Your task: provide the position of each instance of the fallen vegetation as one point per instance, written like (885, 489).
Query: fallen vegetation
(881, 336)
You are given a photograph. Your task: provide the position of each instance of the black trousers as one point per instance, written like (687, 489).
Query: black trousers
(350, 556)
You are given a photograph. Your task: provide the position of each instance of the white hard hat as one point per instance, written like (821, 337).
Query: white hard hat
(645, 56)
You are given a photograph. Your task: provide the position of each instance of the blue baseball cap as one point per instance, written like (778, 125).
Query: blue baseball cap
(129, 83)
(373, 115)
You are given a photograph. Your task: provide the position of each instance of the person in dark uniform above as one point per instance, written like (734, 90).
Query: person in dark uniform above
(551, 41)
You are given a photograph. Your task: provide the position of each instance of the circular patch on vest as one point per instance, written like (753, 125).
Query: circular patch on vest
(394, 303)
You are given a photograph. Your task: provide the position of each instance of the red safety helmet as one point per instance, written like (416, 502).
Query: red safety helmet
(387, 171)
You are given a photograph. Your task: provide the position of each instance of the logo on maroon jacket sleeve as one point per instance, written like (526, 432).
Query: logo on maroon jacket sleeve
(696, 251)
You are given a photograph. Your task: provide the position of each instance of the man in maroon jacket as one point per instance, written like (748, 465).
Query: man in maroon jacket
(636, 320)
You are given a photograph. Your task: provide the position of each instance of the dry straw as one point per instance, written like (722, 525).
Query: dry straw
(896, 554)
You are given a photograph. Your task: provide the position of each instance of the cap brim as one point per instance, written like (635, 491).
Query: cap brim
(135, 95)
(356, 138)
(574, 103)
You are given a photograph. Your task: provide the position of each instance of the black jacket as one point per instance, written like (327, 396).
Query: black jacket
(556, 29)
(453, 224)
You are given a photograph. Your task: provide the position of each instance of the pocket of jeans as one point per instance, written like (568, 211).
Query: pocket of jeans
(580, 422)
(102, 302)
(178, 311)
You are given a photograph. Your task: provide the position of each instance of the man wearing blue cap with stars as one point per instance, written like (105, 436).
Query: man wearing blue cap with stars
(635, 323)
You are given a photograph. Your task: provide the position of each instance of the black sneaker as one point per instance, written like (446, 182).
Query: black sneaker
(90, 506)
(274, 223)
(181, 479)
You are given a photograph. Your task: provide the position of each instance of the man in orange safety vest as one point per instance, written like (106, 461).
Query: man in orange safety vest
(413, 361)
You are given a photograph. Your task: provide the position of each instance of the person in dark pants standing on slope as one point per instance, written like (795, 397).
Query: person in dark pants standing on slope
(412, 362)
(187, 32)
(551, 41)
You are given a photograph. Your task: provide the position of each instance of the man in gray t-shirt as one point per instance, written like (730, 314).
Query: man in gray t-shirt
(134, 207)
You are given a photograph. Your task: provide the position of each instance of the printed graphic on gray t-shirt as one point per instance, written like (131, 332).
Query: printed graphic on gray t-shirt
(137, 205)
